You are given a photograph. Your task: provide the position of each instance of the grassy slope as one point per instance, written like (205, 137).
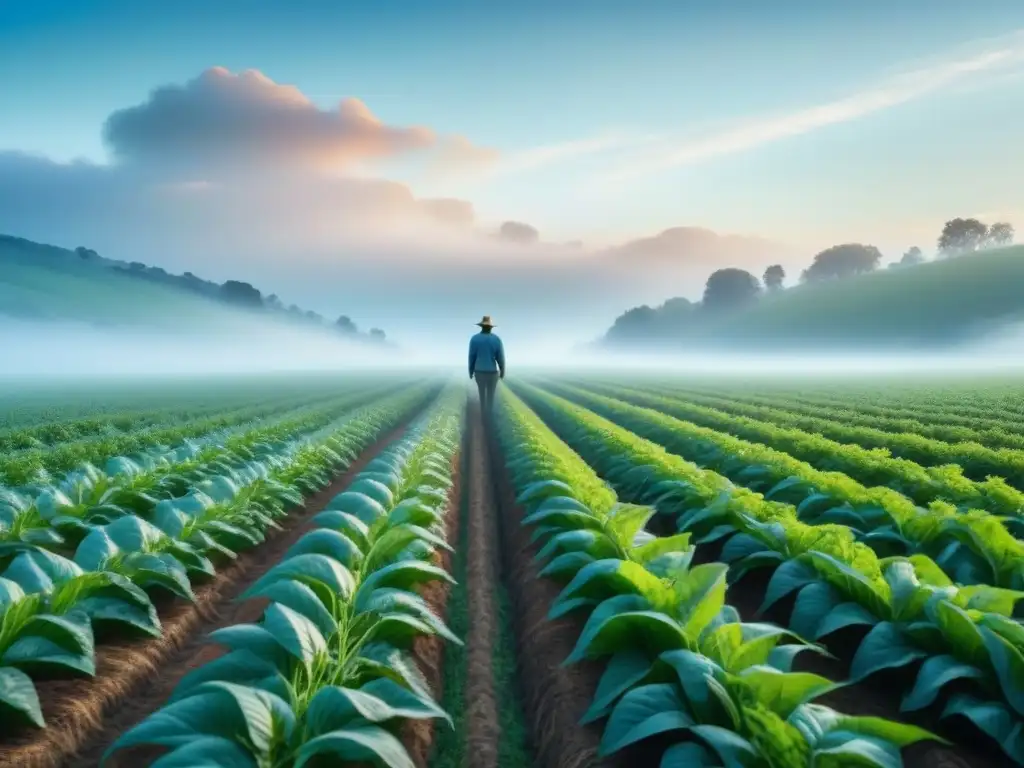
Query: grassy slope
(47, 283)
(936, 302)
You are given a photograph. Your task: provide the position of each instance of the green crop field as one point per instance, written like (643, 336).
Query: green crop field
(610, 571)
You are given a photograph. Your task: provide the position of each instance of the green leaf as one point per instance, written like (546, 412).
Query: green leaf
(350, 525)
(688, 755)
(733, 750)
(996, 720)
(620, 623)
(376, 490)
(38, 656)
(884, 647)
(935, 673)
(610, 577)
(359, 505)
(309, 569)
(378, 701)
(644, 712)
(207, 752)
(1009, 667)
(695, 674)
(262, 713)
(405, 575)
(296, 634)
(788, 577)
(242, 666)
(702, 595)
(783, 692)
(962, 633)
(566, 564)
(661, 545)
(181, 722)
(355, 744)
(624, 670)
(859, 752)
(18, 697)
(302, 599)
(542, 490)
(626, 520)
(842, 616)
(813, 604)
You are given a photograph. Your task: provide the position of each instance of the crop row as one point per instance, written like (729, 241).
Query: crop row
(916, 615)
(678, 659)
(53, 433)
(969, 451)
(57, 516)
(972, 547)
(23, 467)
(326, 673)
(875, 466)
(948, 427)
(970, 409)
(53, 606)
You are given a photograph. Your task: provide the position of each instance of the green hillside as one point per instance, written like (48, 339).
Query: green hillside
(48, 283)
(935, 304)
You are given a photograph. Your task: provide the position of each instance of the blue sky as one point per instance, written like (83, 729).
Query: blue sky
(806, 122)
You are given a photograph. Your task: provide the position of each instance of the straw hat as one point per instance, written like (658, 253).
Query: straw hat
(486, 322)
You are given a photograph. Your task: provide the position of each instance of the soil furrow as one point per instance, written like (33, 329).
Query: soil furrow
(133, 678)
(483, 727)
(555, 697)
(429, 651)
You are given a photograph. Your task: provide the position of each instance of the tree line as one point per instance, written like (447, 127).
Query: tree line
(238, 294)
(731, 288)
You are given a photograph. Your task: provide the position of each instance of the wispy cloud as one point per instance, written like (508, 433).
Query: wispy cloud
(543, 156)
(997, 59)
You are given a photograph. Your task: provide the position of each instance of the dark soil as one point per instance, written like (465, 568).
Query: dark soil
(483, 725)
(134, 678)
(428, 651)
(555, 697)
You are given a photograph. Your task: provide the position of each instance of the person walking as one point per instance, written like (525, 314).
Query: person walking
(486, 362)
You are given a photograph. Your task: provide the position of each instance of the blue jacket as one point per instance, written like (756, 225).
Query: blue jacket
(486, 354)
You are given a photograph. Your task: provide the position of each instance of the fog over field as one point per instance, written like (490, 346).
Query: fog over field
(73, 351)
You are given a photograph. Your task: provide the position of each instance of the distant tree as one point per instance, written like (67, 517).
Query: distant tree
(137, 266)
(773, 277)
(517, 232)
(911, 257)
(1000, 234)
(842, 261)
(314, 317)
(241, 294)
(962, 236)
(377, 334)
(730, 288)
(294, 310)
(86, 253)
(273, 302)
(345, 325)
(637, 323)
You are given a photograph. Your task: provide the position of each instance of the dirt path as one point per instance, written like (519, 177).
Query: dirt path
(134, 678)
(483, 727)
(554, 697)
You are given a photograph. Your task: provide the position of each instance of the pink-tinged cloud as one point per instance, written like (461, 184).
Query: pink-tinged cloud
(682, 247)
(449, 210)
(247, 121)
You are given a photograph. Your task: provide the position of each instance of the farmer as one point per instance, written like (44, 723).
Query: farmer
(486, 362)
